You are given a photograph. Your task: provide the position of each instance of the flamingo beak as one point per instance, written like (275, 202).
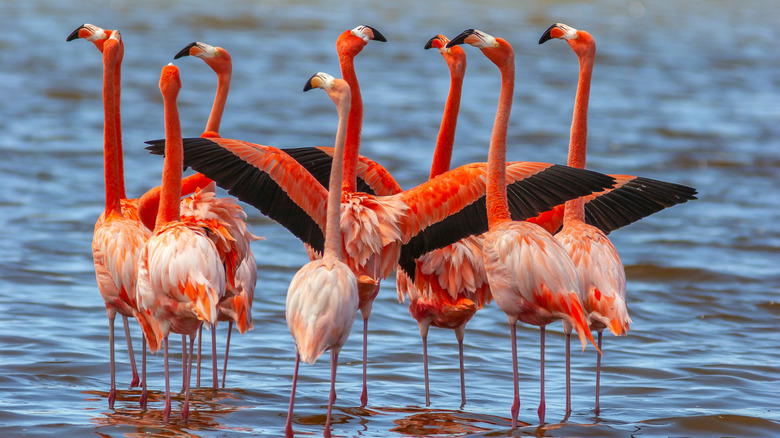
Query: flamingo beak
(461, 38)
(554, 31)
(437, 42)
(185, 51)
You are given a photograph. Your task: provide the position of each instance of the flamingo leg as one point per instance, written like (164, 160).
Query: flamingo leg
(144, 394)
(112, 365)
(200, 343)
(598, 372)
(364, 395)
(167, 409)
(516, 401)
(214, 382)
(424, 336)
(227, 349)
(334, 361)
(185, 410)
(541, 373)
(136, 379)
(568, 373)
(459, 333)
(288, 430)
(183, 360)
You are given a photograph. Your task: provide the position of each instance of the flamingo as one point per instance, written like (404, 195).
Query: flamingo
(531, 276)
(237, 307)
(118, 235)
(181, 275)
(322, 299)
(601, 273)
(450, 283)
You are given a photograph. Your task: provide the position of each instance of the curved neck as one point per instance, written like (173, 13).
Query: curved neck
(172, 166)
(111, 151)
(333, 223)
(224, 76)
(578, 139)
(497, 205)
(354, 123)
(442, 156)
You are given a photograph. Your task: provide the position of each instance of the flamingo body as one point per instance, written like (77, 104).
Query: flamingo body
(316, 319)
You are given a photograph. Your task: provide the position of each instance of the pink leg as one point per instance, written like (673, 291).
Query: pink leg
(183, 360)
(288, 430)
(459, 333)
(424, 337)
(200, 342)
(167, 409)
(136, 380)
(568, 373)
(364, 395)
(541, 373)
(185, 410)
(227, 350)
(112, 365)
(516, 401)
(334, 361)
(214, 379)
(598, 373)
(144, 395)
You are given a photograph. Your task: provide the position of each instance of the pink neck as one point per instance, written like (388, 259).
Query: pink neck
(333, 225)
(496, 198)
(118, 121)
(578, 140)
(354, 124)
(442, 156)
(111, 151)
(172, 165)
(224, 73)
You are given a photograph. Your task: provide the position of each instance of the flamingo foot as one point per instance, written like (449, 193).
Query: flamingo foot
(143, 400)
(111, 398)
(540, 411)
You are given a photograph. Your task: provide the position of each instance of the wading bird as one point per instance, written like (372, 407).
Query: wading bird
(322, 299)
(601, 273)
(531, 276)
(237, 306)
(449, 284)
(181, 275)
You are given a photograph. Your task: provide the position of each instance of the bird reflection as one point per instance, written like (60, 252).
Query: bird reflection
(209, 408)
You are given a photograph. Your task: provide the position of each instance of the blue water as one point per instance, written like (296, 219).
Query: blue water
(684, 92)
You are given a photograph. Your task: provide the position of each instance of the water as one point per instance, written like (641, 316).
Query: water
(684, 92)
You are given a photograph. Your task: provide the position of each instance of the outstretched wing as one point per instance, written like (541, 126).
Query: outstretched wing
(262, 176)
(632, 198)
(452, 205)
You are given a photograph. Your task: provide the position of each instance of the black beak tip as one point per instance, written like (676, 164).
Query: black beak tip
(185, 51)
(75, 34)
(308, 86)
(546, 35)
(460, 38)
(429, 44)
(378, 35)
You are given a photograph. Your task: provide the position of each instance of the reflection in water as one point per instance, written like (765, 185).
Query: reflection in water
(430, 422)
(207, 407)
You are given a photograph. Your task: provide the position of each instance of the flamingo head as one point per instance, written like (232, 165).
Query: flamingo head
(216, 57)
(351, 42)
(498, 50)
(579, 40)
(337, 89)
(91, 33)
(454, 56)
(170, 81)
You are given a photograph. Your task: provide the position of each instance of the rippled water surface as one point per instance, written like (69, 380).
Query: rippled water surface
(684, 91)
